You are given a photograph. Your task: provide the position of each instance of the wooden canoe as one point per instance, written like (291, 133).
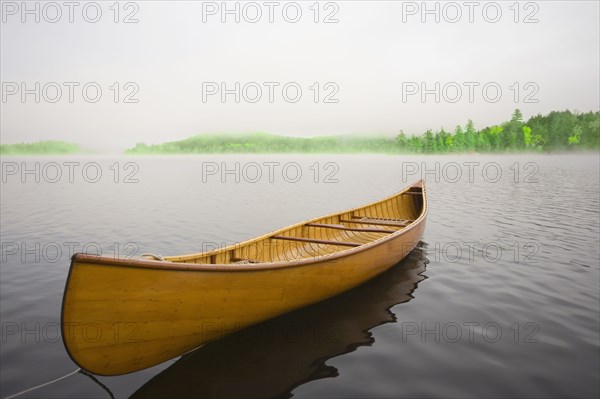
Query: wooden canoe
(271, 359)
(124, 315)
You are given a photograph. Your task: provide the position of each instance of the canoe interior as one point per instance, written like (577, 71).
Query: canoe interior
(322, 236)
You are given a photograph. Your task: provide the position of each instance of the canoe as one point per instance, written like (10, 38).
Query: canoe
(124, 315)
(271, 359)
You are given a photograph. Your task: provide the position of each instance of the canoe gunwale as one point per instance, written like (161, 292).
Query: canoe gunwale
(230, 267)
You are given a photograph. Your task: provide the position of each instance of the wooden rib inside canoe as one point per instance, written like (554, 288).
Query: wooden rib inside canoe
(123, 315)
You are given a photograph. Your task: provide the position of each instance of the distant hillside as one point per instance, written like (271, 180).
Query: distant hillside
(48, 147)
(265, 143)
(557, 131)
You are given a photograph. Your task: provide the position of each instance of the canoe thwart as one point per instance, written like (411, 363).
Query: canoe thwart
(382, 219)
(326, 242)
(377, 221)
(341, 227)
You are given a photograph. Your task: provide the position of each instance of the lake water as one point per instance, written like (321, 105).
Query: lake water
(500, 299)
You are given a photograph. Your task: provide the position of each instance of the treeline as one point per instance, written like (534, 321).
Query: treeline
(49, 147)
(557, 131)
(266, 143)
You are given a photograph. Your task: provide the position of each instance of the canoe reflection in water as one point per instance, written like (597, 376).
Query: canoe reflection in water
(272, 358)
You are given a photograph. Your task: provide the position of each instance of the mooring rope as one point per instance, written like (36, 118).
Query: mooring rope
(97, 381)
(43, 385)
(156, 257)
(79, 370)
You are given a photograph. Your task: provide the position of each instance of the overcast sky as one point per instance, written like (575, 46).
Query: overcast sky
(369, 65)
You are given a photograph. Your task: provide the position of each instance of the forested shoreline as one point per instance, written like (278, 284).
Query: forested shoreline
(557, 131)
(46, 147)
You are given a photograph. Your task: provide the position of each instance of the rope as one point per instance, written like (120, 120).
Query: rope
(97, 381)
(42, 385)
(156, 257)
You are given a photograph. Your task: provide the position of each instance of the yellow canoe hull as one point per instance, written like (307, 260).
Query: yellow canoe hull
(124, 315)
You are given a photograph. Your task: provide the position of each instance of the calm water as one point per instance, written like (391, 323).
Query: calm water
(501, 299)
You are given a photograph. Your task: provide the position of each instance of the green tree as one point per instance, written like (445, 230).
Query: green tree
(574, 139)
(494, 136)
(470, 136)
(527, 136)
(483, 144)
(441, 141)
(428, 142)
(416, 144)
(402, 141)
(459, 139)
(511, 137)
